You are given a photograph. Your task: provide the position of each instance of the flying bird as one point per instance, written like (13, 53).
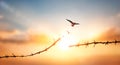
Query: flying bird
(73, 23)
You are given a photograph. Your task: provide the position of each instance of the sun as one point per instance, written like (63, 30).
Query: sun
(66, 41)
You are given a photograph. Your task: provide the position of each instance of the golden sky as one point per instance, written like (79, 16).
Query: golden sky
(30, 26)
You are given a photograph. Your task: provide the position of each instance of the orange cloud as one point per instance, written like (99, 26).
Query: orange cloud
(16, 36)
(39, 38)
(11, 36)
(110, 34)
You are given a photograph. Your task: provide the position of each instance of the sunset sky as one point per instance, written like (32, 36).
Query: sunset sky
(27, 26)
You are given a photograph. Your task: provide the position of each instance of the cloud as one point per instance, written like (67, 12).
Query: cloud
(110, 34)
(17, 36)
(115, 19)
(112, 31)
(12, 36)
(39, 38)
(118, 15)
(4, 25)
(1, 17)
(15, 12)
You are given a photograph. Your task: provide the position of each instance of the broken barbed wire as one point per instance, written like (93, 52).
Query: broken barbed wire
(95, 42)
(77, 45)
(32, 54)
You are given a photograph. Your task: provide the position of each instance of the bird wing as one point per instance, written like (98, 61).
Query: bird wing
(69, 21)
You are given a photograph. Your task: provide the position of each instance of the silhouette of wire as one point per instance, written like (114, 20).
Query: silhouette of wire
(14, 56)
(96, 42)
(77, 45)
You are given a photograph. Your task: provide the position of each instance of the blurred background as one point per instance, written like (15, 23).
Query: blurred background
(28, 26)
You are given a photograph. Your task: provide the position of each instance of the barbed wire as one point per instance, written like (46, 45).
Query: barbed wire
(32, 54)
(54, 43)
(96, 42)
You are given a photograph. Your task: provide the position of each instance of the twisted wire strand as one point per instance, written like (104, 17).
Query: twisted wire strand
(32, 54)
(96, 42)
